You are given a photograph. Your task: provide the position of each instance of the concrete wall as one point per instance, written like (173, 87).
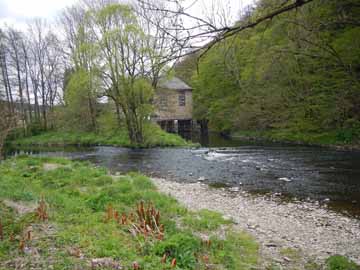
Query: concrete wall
(167, 107)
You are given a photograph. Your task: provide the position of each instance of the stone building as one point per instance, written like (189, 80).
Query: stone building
(173, 105)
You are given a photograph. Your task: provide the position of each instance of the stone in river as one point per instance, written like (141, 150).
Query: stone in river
(285, 179)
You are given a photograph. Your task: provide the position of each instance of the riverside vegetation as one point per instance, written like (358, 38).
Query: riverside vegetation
(60, 214)
(154, 136)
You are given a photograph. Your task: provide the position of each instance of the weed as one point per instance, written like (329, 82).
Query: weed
(182, 246)
(41, 211)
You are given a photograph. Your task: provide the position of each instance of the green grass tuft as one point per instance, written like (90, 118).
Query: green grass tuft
(338, 262)
(205, 220)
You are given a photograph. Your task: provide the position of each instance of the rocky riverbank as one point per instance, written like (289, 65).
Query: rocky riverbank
(291, 234)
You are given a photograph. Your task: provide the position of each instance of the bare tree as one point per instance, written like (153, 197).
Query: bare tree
(37, 34)
(46, 68)
(199, 34)
(24, 46)
(4, 71)
(15, 46)
(7, 123)
(162, 42)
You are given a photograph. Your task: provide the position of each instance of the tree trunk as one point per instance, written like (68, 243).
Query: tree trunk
(43, 97)
(118, 113)
(21, 94)
(6, 74)
(27, 85)
(92, 114)
(5, 86)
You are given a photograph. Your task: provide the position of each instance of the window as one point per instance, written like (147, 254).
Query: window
(163, 102)
(182, 99)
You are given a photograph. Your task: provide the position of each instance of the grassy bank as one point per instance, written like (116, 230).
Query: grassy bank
(58, 214)
(341, 139)
(154, 137)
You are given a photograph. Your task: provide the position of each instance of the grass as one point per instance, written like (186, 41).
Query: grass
(78, 197)
(205, 220)
(290, 253)
(338, 262)
(154, 137)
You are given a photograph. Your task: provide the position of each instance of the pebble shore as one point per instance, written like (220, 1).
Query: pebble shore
(313, 230)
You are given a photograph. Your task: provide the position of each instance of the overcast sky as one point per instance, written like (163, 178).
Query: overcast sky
(18, 12)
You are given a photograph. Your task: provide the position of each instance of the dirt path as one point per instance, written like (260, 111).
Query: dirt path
(290, 234)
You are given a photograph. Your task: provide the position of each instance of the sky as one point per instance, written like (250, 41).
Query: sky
(18, 12)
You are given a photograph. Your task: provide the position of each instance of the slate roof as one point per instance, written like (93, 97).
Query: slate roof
(174, 83)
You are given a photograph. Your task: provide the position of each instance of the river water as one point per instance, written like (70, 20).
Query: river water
(290, 172)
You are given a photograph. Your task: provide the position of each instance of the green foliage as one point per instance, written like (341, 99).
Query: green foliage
(79, 112)
(294, 75)
(338, 262)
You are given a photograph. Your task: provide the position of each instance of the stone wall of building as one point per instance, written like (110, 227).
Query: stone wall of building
(167, 105)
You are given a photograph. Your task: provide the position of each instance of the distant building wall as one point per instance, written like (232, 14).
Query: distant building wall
(173, 104)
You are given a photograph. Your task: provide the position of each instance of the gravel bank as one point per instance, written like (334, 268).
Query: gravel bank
(314, 231)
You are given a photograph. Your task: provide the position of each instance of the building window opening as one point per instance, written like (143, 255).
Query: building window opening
(182, 99)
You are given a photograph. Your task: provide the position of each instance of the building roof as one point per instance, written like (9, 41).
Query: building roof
(174, 83)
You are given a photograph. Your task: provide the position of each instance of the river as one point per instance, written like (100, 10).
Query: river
(291, 172)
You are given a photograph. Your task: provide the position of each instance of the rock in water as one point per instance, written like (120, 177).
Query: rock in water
(285, 179)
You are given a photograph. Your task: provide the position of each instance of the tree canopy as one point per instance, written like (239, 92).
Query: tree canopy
(298, 72)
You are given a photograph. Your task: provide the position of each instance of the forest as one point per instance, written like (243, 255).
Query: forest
(295, 77)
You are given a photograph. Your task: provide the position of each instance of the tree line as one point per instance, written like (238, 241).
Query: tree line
(295, 74)
(32, 65)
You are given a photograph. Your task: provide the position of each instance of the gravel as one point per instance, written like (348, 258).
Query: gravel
(313, 230)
